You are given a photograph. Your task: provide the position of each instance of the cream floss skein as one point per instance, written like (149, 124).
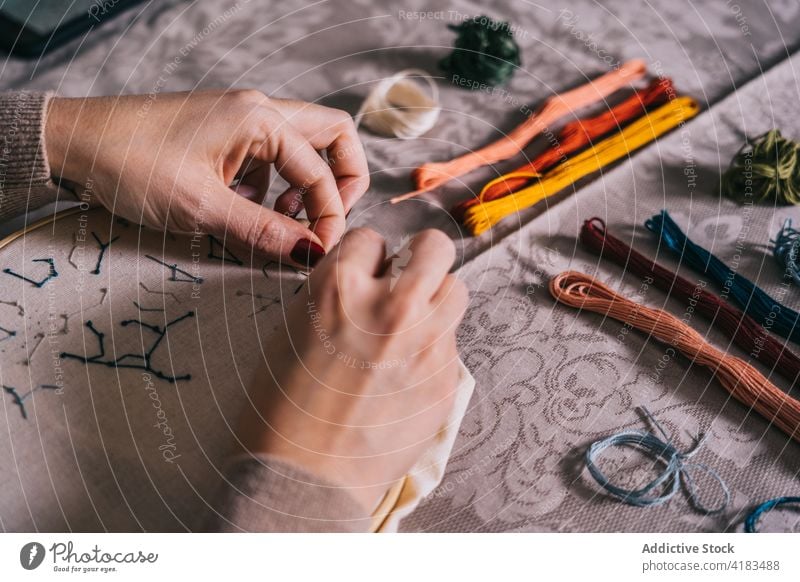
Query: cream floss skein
(398, 107)
(740, 379)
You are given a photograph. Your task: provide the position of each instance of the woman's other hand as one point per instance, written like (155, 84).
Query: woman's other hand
(169, 161)
(363, 372)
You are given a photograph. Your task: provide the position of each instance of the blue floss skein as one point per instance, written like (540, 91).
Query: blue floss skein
(754, 300)
(676, 469)
(786, 249)
(752, 519)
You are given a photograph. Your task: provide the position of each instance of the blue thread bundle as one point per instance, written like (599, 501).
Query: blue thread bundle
(786, 250)
(754, 300)
(752, 519)
(676, 469)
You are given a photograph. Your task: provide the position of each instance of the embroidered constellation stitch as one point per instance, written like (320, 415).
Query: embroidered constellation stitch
(20, 309)
(163, 293)
(19, 399)
(103, 249)
(298, 271)
(66, 316)
(226, 256)
(38, 284)
(174, 270)
(9, 334)
(38, 338)
(270, 301)
(123, 360)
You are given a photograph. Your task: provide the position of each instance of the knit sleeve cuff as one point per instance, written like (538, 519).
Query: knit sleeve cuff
(25, 181)
(262, 493)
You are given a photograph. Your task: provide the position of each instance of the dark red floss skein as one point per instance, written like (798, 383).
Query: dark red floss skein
(743, 329)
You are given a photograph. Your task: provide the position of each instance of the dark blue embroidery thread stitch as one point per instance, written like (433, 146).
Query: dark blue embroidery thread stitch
(103, 249)
(751, 523)
(9, 334)
(174, 270)
(226, 256)
(122, 361)
(786, 250)
(19, 399)
(52, 274)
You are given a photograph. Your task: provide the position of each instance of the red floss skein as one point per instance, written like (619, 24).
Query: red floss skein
(576, 135)
(737, 325)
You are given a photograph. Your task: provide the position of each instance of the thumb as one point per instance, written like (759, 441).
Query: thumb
(264, 231)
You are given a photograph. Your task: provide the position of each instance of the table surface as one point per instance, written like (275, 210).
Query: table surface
(549, 380)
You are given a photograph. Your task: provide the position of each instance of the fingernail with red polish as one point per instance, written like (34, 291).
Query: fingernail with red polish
(307, 252)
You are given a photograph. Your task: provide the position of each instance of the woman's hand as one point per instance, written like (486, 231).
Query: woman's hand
(169, 161)
(363, 374)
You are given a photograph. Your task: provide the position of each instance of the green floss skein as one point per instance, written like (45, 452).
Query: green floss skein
(766, 170)
(485, 53)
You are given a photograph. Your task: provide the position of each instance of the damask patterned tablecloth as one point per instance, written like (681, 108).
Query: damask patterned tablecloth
(549, 379)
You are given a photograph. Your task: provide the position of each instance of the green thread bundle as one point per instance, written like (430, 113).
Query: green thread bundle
(485, 53)
(766, 170)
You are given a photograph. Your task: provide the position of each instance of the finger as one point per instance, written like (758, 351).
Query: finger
(254, 181)
(421, 267)
(290, 202)
(362, 249)
(300, 165)
(450, 302)
(249, 192)
(260, 229)
(332, 130)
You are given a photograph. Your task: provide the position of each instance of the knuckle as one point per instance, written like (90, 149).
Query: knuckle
(363, 234)
(437, 238)
(360, 183)
(261, 234)
(249, 97)
(341, 118)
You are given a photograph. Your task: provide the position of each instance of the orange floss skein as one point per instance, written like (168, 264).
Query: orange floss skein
(430, 175)
(740, 379)
(576, 135)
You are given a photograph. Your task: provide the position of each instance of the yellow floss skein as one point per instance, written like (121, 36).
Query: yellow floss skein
(483, 216)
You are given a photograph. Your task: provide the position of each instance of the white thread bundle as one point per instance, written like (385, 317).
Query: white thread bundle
(399, 107)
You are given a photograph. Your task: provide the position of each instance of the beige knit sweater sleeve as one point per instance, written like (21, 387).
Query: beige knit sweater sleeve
(25, 182)
(263, 493)
(258, 493)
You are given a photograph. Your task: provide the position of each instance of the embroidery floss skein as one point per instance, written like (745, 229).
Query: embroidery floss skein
(484, 53)
(431, 175)
(575, 136)
(752, 520)
(766, 170)
(754, 300)
(787, 249)
(483, 216)
(743, 329)
(740, 379)
(398, 106)
(676, 468)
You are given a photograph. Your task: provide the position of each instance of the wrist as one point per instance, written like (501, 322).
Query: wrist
(356, 475)
(64, 139)
(54, 137)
